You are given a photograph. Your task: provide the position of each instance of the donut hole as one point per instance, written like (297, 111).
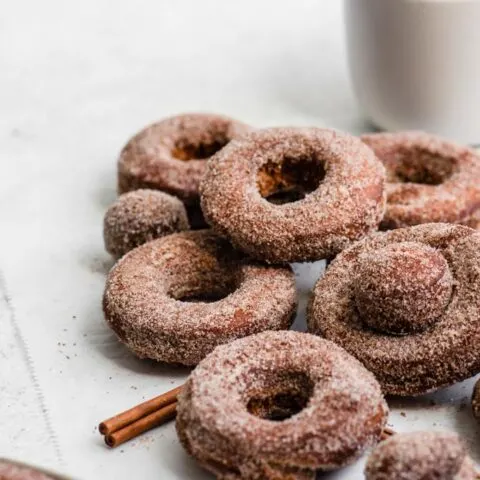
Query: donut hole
(289, 180)
(205, 287)
(423, 167)
(402, 288)
(204, 297)
(280, 396)
(188, 149)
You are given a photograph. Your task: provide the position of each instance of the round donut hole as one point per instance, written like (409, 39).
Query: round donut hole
(282, 397)
(209, 290)
(289, 180)
(422, 167)
(186, 149)
(402, 288)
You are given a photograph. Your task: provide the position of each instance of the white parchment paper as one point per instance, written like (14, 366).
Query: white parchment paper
(77, 79)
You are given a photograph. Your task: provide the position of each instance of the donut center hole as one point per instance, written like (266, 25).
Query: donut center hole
(289, 180)
(281, 397)
(186, 149)
(204, 288)
(207, 297)
(423, 167)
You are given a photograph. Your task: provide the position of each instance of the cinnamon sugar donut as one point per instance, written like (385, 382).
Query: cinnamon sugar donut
(293, 194)
(428, 179)
(421, 456)
(176, 298)
(140, 216)
(406, 303)
(10, 470)
(170, 155)
(476, 400)
(279, 405)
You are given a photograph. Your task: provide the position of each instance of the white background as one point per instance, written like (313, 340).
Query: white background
(76, 80)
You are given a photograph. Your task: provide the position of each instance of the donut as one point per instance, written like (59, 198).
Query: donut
(140, 216)
(421, 456)
(293, 194)
(476, 401)
(428, 179)
(170, 155)
(176, 298)
(405, 303)
(279, 405)
(16, 471)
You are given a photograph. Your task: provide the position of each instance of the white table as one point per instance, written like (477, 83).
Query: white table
(77, 79)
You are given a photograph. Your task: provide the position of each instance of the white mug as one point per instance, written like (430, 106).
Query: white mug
(415, 64)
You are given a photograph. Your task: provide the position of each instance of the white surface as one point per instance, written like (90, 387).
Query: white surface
(416, 65)
(77, 79)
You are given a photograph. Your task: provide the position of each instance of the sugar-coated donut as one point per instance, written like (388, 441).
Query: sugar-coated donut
(428, 178)
(10, 470)
(170, 155)
(279, 405)
(421, 456)
(405, 302)
(140, 216)
(176, 298)
(332, 183)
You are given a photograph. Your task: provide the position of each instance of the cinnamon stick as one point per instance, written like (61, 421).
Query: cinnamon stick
(144, 424)
(123, 419)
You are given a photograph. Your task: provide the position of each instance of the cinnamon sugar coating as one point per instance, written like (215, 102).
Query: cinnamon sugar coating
(421, 456)
(293, 194)
(140, 216)
(476, 400)
(16, 471)
(171, 155)
(428, 178)
(176, 298)
(443, 350)
(279, 405)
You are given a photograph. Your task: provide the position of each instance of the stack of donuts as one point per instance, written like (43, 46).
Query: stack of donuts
(211, 214)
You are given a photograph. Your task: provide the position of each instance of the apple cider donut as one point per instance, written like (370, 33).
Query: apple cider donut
(421, 456)
(428, 179)
(176, 298)
(294, 194)
(279, 405)
(140, 216)
(405, 302)
(11, 470)
(170, 155)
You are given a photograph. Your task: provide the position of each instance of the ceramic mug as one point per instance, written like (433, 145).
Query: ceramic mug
(415, 64)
